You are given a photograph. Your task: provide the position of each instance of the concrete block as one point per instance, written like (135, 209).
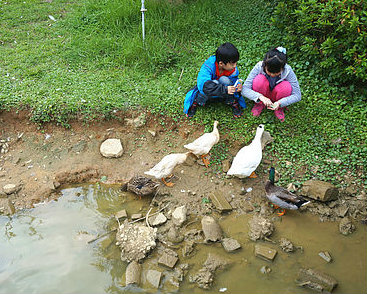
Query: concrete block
(265, 253)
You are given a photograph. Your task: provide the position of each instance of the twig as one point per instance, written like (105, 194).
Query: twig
(139, 219)
(103, 235)
(146, 218)
(179, 79)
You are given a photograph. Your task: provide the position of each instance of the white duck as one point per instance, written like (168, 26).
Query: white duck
(248, 158)
(202, 145)
(165, 167)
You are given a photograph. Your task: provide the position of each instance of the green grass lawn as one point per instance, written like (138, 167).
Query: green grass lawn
(60, 59)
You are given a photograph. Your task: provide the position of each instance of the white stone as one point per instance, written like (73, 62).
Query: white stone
(157, 220)
(111, 148)
(179, 215)
(10, 189)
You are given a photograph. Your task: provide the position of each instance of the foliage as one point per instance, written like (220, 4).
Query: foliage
(331, 35)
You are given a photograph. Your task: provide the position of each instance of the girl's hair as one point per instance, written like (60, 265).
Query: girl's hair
(275, 60)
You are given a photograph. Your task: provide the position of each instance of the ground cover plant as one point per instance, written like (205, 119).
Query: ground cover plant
(86, 59)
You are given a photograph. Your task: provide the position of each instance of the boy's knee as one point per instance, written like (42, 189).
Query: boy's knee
(224, 81)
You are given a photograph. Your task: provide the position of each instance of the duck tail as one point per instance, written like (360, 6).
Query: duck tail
(302, 203)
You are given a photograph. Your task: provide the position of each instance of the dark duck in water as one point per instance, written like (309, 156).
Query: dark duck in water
(281, 197)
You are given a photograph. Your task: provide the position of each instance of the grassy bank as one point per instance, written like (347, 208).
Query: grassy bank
(60, 59)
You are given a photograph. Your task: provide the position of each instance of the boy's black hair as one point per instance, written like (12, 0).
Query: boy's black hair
(274, 61)
(227, 52)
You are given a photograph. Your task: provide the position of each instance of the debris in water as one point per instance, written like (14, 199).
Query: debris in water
(222, 289)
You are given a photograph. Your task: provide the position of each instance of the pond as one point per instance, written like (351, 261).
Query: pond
(46, 249)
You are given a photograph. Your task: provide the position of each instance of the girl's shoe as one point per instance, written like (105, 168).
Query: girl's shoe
(257, 109)
(279, 113)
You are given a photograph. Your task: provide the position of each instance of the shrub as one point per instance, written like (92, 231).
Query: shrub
(329, 34)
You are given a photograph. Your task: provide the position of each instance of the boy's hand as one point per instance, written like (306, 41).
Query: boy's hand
(239, 88)
(231, 90)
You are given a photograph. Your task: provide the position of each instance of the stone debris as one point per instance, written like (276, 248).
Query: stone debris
(179, 215)
(316, 280)
(326, 256)
(111, 148)
(133, 273)
(6, 206)
(121, 215)
(230, 245)
(260, 228)
(174, 236)
(319, 190)
(212, 230)
(265, 253)
(157, 220)
(168, 260)
(220, 202)
(188, 248)
(286, 245)
(135, 241)
(154, 278)
(136, 216)
(205, 276)
(265, 269)
(346, 226)
(11, 188)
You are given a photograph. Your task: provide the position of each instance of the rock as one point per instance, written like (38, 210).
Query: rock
(266, 139)
(157, 220)
(11, 188)
(325, 255)
(265, 253)
(167, 260)
(226, 165)
(135, 241)
(6, 207)
(133, 272)
(319, 190)
(174, 236)
(212, 230)
(205, 276)
(286, 245)
(188, 248)
(121, 215)
(260, 228)
(341, 211)
(137, 122)
(316, 280)
(230, 245)
(179, 215)
(265, 269)
(220, 201)
(154, 278)
(136, 216)
(111, 148)
(346, 226)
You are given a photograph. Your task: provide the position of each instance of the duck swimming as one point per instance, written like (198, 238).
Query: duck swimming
(248, 158)
(202, 145)
(142, 186)
(281, 197)
(164, 168)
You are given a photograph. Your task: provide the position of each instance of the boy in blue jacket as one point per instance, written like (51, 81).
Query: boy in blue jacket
(217, 81)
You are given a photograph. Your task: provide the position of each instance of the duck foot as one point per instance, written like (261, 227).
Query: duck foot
(253, 175)
(167, 184)
(281, 213)
(205, 160)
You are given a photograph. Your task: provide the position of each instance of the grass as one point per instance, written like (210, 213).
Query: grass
(90, 62)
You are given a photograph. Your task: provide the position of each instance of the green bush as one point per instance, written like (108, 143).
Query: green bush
(330, 35)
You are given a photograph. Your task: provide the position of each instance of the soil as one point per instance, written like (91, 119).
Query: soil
(41, 161)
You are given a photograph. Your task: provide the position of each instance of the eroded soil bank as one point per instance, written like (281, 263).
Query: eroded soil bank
(39, 162)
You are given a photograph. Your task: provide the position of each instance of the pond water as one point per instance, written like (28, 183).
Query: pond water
(46, 249)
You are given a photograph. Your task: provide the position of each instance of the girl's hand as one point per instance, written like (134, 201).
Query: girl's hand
(275, 105)
(267, 102)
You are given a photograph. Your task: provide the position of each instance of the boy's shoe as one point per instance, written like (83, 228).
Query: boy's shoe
(237, 110)
(192, 110)
(279, 113)
(257, 109)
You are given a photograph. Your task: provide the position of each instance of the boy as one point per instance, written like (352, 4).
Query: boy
(217, 81)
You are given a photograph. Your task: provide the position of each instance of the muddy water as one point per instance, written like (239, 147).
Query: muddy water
(45, 249)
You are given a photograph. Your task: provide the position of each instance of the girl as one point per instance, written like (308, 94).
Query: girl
(272, 84)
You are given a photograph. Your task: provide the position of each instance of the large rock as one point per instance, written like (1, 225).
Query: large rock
(11, 188)
(346, 226)
(154, 278)
(179, 215)
(133, 272)
(230, 245)
(212, 230)
(111, 148)
(316, 280)
(260, 228)
(265, 252)
(319, 190)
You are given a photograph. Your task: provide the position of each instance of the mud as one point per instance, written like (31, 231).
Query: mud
(38, 162)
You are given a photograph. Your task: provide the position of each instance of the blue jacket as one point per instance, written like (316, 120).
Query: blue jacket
(207, 73)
